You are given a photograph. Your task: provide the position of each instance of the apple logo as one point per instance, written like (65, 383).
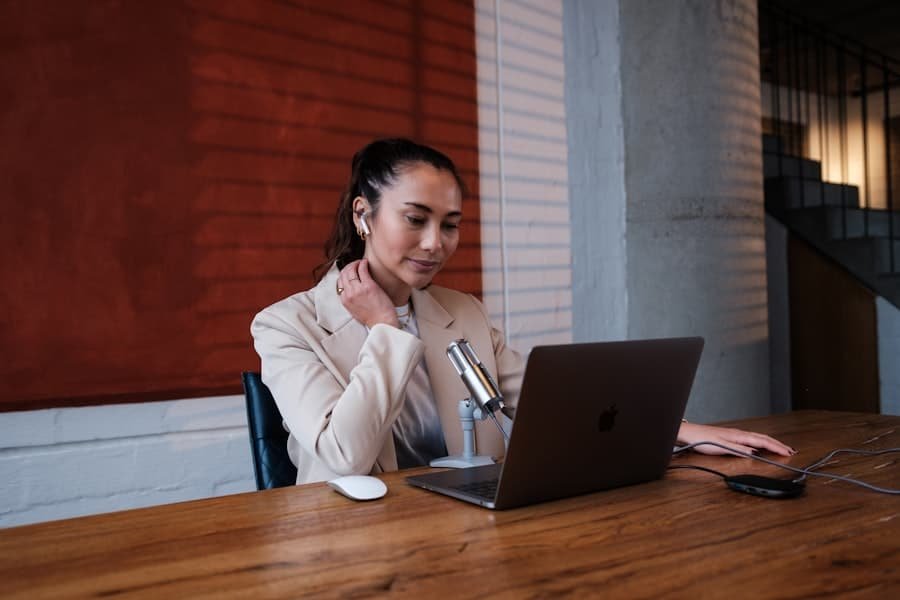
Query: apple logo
(607, 418)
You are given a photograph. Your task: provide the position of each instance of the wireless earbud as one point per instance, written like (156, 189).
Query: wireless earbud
(363, 224)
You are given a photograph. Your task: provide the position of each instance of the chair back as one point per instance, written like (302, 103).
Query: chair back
(268, 439)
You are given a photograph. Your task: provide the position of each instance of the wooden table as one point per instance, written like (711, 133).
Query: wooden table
(686, 535)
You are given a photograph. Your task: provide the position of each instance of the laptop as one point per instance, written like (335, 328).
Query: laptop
(590, 417)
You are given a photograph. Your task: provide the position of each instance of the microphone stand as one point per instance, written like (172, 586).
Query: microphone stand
(468, 412)
(485, 400)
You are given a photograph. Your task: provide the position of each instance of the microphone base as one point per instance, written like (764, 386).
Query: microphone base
(461, 462)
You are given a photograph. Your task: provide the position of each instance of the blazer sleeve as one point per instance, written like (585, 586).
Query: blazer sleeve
(342, 424)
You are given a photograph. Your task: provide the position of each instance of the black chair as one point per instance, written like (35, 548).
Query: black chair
(268, 439)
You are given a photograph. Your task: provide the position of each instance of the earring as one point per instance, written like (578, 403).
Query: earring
(360, 233)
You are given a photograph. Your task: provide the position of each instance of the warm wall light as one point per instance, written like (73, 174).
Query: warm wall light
(177, 168)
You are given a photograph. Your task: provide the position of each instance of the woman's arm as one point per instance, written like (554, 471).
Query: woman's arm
(343, 427)
(745, 441)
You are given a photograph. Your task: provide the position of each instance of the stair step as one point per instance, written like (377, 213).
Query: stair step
(776, 165)
(794, 192)
(867, 259)
(851, 223)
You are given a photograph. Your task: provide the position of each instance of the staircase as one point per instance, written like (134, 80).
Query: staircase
(828, 216)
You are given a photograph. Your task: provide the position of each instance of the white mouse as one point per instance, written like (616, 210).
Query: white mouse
(359, 487)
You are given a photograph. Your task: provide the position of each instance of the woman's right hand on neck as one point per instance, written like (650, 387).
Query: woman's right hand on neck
(363, 297)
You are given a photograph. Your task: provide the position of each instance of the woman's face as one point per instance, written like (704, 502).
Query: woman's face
(415, 230)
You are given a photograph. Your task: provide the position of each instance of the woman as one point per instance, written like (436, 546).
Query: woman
(357, 364)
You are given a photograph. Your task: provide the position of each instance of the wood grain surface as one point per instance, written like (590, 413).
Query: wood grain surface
(684, 536)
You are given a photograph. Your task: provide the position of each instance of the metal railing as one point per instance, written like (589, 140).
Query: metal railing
(827, 98)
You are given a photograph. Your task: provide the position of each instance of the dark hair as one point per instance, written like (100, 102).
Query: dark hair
(375, 167)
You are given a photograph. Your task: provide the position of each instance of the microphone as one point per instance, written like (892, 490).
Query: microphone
(478, 380)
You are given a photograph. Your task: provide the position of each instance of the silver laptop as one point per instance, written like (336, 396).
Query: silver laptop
(590, 417)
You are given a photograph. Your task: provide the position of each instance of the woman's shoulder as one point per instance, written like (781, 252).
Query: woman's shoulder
(300, 306)
(300, 301)
(296, 307)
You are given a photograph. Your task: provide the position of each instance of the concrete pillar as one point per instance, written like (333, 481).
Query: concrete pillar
(596, 170)
(694, 230)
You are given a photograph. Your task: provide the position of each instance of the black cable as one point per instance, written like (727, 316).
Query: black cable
(699, 468)
(499, 426)
(755, 485)
(809, 470)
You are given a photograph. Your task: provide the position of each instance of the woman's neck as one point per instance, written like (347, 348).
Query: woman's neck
(396, 289)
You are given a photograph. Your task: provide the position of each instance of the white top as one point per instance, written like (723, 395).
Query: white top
(418, 436)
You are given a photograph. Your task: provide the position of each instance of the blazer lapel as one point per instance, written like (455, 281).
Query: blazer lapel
(436, 331)
(347, 334)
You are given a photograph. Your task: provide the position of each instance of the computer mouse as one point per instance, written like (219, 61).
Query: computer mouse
(359, 487)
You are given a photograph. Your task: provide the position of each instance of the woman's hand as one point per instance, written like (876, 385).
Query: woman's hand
(745, 441)
(363, 297)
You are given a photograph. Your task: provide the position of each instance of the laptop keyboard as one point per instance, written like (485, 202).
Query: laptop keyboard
(484, 489)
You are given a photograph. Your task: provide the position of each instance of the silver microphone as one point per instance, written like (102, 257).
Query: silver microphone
(478, 380)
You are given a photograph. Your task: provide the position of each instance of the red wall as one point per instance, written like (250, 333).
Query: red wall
(170, 167)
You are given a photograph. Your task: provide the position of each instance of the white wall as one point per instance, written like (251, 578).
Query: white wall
(525, 230)
(60, 463)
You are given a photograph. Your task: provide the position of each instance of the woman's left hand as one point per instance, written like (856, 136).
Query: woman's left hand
(363, 298)
(745, 441)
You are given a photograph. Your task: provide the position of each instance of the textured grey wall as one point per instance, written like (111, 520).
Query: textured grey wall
(696, 245)
(596, 170)
(693, 197)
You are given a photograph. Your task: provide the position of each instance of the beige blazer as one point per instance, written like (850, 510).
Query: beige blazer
(340, 387)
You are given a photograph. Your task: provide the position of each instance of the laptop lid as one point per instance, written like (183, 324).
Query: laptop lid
(590, 417)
